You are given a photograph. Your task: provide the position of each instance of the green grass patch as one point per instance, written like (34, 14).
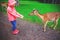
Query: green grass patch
(26, 8)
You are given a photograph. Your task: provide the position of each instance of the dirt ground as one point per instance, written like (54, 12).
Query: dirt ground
(28, 31)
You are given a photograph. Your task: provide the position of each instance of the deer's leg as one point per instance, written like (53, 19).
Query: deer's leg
(45, 24)
(56, 22)
(52, 25)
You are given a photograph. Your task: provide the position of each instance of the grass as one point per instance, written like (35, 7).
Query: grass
(26, 8)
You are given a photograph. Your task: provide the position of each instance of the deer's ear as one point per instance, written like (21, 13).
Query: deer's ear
(34, 9)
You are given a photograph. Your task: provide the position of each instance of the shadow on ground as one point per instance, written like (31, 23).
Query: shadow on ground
(28, 31)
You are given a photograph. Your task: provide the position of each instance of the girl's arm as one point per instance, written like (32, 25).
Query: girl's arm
(21, 16)
(13, 13)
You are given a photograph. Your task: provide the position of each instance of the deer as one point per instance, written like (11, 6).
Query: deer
(4, 4)
(51, 16)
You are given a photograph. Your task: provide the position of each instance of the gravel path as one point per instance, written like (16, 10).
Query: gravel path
(28, 31)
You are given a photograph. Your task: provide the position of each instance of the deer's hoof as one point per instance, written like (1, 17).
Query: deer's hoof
(54, 28)
(44, 30)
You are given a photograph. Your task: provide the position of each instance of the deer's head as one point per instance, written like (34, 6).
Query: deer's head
(34, 12)
(4, 4)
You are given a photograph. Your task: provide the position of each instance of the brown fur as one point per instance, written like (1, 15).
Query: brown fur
(4, 4)
(53, 16)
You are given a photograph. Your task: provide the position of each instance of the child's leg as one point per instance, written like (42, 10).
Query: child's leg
(14, 30)
(13, 25)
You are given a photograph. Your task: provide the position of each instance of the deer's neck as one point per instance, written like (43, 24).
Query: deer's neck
(39, 15)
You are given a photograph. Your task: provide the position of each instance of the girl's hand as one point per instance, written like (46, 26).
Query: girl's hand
(21, 16)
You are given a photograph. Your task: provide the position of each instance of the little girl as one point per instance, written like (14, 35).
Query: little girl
(12, 15)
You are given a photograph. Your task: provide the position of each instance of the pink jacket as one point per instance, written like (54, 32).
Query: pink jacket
(12, 14)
